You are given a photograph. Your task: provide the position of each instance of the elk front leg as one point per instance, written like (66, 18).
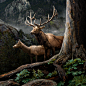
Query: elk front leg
(48, 53)
(53, 51)
(31, 59)
(45, 55)
(36, 58)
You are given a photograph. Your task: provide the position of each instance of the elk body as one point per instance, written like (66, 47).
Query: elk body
(48, 40)
(32, 50)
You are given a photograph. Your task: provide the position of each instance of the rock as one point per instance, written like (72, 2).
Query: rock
(1, 1)
(1, 21)
(7, 28)
(15, 12)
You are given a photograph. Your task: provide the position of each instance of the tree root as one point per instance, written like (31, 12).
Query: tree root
(8, 83)
(13, 72)
(57, 59)
(41, 82)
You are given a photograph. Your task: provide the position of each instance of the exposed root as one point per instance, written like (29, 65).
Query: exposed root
(58, 59)
(11, 73)
(61, 72)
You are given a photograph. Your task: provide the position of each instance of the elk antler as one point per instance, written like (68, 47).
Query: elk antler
(30, 24)
(31, 18)
(54, 14)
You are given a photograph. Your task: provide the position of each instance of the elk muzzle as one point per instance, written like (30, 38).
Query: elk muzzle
(14, 46)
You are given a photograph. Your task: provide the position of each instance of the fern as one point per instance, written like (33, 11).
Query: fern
(71, 66)
(51, 62)
(23, 74)
(61, 83)
(51, 74)
(78, 81)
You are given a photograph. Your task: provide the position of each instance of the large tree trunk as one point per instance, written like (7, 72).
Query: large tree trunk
(74, 44)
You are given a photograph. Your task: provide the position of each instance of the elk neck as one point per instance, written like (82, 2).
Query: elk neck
(42, 38)
(25, 48)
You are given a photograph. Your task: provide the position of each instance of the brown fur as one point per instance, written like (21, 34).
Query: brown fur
(32, 50)
(48, 40)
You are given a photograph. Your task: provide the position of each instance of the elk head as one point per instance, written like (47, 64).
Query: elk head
(37, 27)
(18, 45)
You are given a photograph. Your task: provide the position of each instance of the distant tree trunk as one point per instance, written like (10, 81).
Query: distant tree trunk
(74, 44)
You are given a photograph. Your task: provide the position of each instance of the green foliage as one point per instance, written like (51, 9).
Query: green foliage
(51, 62)
(78, 81)
(23, 74)
(34, 74)
(40, 74)
(61, 83)
(51, 74)
(37, 75)
(71, 66)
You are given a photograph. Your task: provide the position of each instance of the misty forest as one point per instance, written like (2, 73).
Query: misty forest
(42, 43)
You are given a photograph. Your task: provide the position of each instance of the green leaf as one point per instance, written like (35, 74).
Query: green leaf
(25, 80)
(69, 72)
(54, 73)
(75, 68)
(81, 63)
(79, 72)
(50, 74)
(78, 59)
(60, 83)
(75, 65)
(74, 73)
(71, 60)
(79, 84)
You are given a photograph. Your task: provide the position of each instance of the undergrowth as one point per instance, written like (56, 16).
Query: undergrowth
(24, 75)
(72, 68)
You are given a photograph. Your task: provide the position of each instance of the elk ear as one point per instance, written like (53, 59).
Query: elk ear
(42, 27)
(19, 40)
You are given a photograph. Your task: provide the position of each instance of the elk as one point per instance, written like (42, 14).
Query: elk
(48, 40)
(32, 50)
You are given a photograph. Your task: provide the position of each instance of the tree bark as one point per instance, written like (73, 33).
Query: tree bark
(74, 44)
